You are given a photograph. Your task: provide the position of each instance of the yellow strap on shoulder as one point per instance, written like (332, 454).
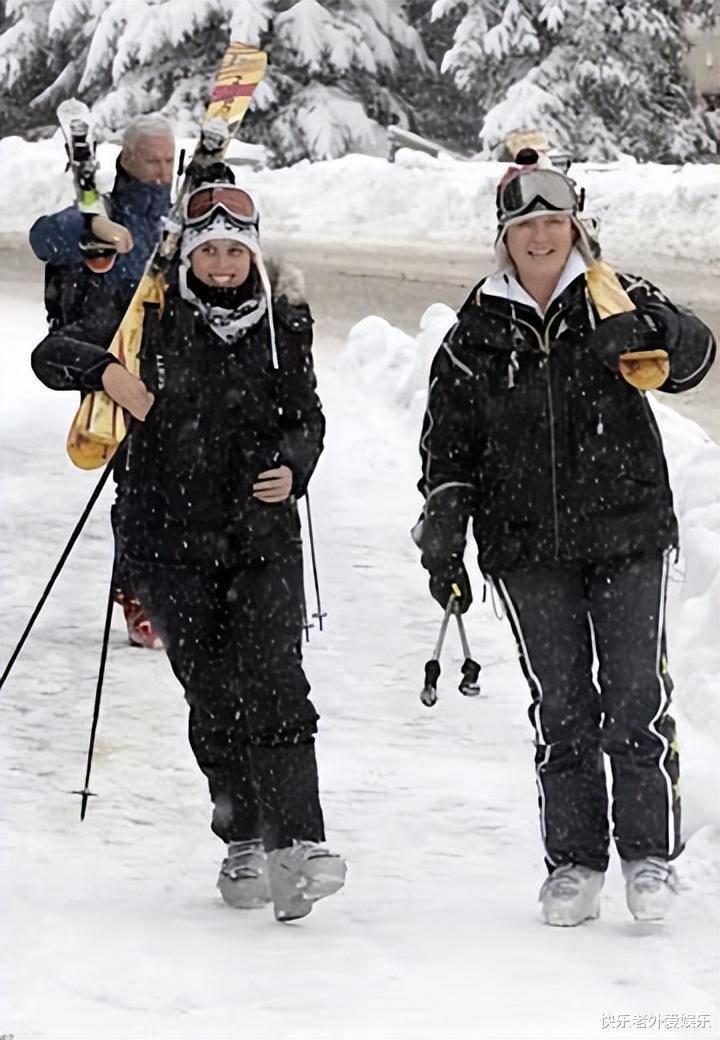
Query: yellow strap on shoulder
(606, 291)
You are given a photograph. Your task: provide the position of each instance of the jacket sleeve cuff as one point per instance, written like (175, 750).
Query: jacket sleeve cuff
(299, 478)
(91, 379)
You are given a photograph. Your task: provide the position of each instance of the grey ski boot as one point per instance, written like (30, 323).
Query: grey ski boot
(243, 879)
(571, 895)
(300, 875)
(650, 887)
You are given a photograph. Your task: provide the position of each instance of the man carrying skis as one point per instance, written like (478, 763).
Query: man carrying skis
(538, 427)
(139, 200)
(208, 526)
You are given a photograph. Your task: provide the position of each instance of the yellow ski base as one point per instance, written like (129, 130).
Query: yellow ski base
(91, 450)
(241, 70)
(607, 293)
(99, 425)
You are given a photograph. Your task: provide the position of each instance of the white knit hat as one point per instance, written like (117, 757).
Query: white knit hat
(221, 225)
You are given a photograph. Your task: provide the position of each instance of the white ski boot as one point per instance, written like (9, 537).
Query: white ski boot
(650, 887)
(301, 874)
(243, 879)
(571, 895)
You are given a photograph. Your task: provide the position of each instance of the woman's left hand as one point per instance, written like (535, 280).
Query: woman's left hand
(274, 485)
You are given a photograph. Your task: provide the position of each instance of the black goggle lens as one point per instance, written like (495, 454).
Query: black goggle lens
(537, 188)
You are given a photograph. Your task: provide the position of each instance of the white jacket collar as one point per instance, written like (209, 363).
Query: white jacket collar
(504, 282)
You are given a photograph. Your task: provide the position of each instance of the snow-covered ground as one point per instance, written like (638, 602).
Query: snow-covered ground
(113, 928)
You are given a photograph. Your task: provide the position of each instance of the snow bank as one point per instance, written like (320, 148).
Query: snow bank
(34, 179)
(392, 369)
(669, 210)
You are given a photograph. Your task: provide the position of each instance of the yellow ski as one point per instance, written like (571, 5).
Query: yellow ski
(99, 425)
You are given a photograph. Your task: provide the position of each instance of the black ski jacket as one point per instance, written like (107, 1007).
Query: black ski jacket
(222, 415)
(531, 430)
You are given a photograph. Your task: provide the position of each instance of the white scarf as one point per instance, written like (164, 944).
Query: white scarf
(227, 323)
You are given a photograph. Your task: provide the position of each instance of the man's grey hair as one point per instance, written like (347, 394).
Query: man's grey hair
(150, 125)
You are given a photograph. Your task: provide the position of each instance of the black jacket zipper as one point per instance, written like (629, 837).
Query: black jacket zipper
(544, 343)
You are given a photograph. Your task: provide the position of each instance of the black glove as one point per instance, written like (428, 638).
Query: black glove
(618, 335)
(441, 588)
(664, 320)
(653, 326)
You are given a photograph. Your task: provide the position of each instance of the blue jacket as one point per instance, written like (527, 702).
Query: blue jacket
(70, 286)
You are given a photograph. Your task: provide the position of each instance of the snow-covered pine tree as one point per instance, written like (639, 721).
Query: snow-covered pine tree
(341, 62)
(599, 78)
(24, 69)
(332, 82)
(437, 108)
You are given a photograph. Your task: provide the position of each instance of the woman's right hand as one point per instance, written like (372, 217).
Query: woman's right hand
(127, 390)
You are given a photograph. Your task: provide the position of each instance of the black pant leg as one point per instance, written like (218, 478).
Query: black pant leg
(627, 600)
(233, 639)
(218, 743)
(188, 606)
(281, 721)
(548, 613)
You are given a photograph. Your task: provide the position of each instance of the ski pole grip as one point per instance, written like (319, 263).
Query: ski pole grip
(429, 691)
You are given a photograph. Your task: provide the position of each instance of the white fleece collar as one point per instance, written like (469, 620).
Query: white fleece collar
(504, 283)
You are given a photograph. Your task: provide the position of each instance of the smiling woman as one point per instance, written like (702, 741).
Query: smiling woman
(538, 428)
(229, 430)
(539, 248)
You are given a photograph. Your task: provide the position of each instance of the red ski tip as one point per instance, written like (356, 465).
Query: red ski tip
(223, 92)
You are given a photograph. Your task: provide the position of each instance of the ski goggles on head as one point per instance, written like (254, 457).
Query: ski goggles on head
(201, 203)
(537, 189)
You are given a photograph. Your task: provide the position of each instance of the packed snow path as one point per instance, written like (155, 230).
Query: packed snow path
(114, 928)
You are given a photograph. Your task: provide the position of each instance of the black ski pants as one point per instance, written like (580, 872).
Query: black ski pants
(232, 634)
(569, 620)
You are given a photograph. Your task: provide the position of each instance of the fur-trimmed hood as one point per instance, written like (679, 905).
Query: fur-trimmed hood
(286, 280)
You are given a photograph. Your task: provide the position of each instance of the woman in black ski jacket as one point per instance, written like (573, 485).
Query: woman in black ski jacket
(228, 431)
(538, 428)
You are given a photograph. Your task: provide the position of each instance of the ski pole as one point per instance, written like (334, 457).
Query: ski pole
(86, 793)
(319, 613)
(60, 564)
(307, 625)
(469, 685)
(428, 696)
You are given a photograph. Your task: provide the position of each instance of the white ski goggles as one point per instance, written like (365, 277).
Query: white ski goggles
(200, 204)
(537, 189)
